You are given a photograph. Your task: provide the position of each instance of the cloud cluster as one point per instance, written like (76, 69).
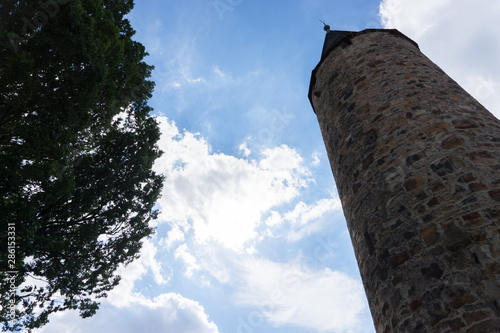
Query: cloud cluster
(294, 294)
(220, 197)
(128, 310)
(305, 219)
(461, 36)
(169, 312)
(123, 294)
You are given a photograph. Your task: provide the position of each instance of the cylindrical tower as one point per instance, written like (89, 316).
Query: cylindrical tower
(416, 161)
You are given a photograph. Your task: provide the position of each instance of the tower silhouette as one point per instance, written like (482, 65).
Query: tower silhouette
(416, 161)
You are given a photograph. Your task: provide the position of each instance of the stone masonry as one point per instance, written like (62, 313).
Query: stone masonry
(416, 161)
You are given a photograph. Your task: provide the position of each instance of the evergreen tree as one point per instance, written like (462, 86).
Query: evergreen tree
(77, 145)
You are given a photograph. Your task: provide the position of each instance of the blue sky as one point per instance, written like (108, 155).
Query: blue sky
(251, 235)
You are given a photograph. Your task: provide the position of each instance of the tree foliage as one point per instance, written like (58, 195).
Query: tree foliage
(77, 145)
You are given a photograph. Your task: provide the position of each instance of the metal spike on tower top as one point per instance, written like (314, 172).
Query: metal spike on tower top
(326, 27)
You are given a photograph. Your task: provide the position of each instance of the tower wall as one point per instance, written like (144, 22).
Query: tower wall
(416, 161)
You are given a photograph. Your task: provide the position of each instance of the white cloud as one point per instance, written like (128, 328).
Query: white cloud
(461, 36)
(148, 253)
(394, 13)
(182, 67)
(316, 159)
(302, 213)
(168, 312)
(189, 260)
(220, 196)
(219, 72)
(197, 80)
(123, 294)
(173, 236)
(305, 219)
(216, 260)
(309, 219)
(293, 294)
(274, 219)
(126, 310)
(175, 85)
(244, 149)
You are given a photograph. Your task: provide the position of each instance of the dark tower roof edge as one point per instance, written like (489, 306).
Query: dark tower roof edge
(335, 38)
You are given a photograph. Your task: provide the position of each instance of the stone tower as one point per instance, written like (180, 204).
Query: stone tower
(416, 161)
